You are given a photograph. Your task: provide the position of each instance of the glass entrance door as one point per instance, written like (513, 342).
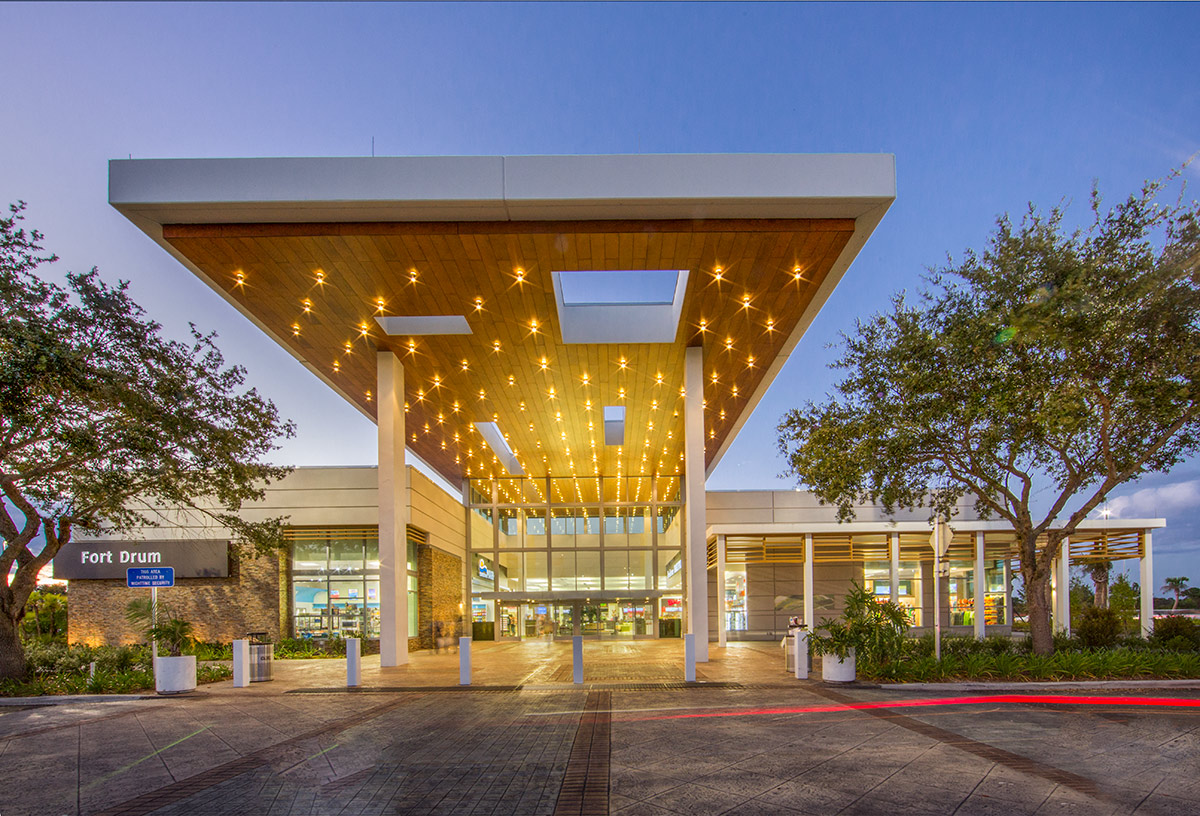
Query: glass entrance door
(509, 622)
(538, 622)
(565, 619)
(592, 619)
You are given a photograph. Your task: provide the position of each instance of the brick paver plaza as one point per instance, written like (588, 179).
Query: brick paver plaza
(633, 739)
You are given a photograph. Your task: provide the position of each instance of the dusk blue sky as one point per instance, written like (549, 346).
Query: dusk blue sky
(986, 107)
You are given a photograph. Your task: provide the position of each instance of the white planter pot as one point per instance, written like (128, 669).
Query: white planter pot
(175, 675)
(834, 670)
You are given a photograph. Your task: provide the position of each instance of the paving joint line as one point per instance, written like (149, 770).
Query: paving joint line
(177, 791)
(983, 750)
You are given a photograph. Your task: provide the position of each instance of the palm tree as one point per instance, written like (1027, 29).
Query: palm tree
(1099, 572)
(1177, 586)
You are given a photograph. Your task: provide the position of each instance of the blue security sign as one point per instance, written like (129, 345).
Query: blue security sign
(150, 577)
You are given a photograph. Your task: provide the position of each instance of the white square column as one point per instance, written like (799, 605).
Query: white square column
(1061, 585)
(980, 587)
(697, 539)
(721, 591)
(810, 606)
(1146, 580)
(894, 561)
(393, 513)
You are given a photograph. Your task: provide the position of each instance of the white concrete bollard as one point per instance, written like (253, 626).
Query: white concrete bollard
(689, 658)
(801, 641)
(353, 662)
(577, 657)
(241, 663)
(464, 661)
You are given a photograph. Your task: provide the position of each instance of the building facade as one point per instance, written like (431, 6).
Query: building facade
(522, 561)
(576, 341)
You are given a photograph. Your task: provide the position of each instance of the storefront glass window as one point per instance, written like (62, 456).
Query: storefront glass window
(995, 599)
(735, 598)
(535, 572)
(961, 593)
(508, 576)
(909, 591)
(670, 570)
(562, 571)
(335, 584)
(587, 570)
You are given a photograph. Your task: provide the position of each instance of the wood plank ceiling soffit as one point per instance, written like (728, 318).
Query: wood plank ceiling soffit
(319, 286)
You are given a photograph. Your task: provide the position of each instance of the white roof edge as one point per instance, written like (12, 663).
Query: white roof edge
(499, 188)
(864, 226)
(801, 527)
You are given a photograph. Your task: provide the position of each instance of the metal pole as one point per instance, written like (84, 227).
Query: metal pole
(154, 625)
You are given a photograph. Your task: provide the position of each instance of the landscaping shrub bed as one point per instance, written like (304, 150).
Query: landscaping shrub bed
(286, 649)
(1109, 664)
(1167, 655)
(59, 669)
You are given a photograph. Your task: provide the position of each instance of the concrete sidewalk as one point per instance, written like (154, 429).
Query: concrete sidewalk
(633, 740)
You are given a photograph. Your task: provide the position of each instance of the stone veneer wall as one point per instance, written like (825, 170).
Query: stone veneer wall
(220, 609)
(439, 594)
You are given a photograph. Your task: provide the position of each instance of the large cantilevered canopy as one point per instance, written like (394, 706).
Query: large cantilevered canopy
(333, 258)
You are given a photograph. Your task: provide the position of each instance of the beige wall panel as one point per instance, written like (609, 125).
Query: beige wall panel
(762, 515)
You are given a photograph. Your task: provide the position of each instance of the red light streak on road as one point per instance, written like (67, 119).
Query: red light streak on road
(1018, 699)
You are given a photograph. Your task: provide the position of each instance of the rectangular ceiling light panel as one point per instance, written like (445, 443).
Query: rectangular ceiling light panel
(490, 431)
(419, 325)
(619, 306)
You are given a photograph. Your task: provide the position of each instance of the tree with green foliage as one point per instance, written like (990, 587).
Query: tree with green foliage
(1033, 379)
(104, 424)
(1125, 598)
(46, 614)
(1176, 586)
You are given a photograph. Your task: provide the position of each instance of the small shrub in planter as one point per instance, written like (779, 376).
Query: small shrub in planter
(869, 629)
(176, 672)
(1098, 628)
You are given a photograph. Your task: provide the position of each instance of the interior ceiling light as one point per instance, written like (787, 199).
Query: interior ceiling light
(415, 325)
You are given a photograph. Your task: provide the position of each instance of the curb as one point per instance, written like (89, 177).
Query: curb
(1043, 685)
(65, 699)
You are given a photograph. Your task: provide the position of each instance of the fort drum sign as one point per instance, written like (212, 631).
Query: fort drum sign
(190, 558)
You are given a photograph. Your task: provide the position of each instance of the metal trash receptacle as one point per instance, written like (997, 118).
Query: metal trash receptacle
(262, 661)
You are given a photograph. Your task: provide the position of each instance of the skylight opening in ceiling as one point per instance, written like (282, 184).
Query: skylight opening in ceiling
(492, 434)
(652, 287)
(619, 306)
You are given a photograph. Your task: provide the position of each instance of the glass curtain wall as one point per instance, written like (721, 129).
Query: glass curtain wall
(335, 583)
(618, 536)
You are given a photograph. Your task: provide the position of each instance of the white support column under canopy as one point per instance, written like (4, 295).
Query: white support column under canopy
(809, 602)
(894, 560)
(1146, 579)
(697, 540)
(980, 587)
(721, 591)
(393, 513)
(1062, 589)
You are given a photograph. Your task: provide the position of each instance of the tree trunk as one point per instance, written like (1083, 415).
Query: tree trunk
(1102, 592)
(12, 656)
(1037, 599)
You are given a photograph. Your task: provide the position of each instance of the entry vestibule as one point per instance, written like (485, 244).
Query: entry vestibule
(612, 619)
